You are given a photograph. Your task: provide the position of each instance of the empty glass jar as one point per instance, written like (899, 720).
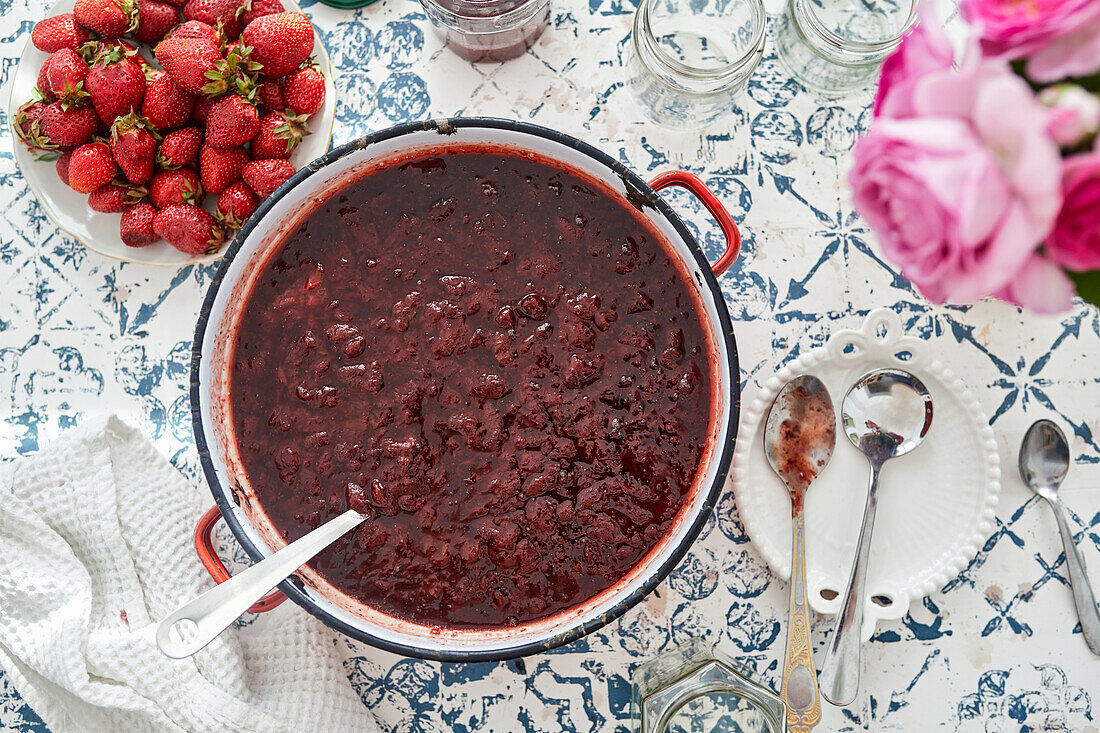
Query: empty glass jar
(696, 687)
(835, 46)
(689, 58)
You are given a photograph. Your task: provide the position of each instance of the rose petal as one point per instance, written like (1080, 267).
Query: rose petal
(1041, 286)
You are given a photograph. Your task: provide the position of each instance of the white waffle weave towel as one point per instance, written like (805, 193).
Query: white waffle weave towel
(95, 548)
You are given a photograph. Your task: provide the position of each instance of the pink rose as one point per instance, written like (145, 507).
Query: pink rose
(925, 50)
(960, 192)
(1074, 54)
(1075, 241)
(1075, 113)
(1041, 286)
(1060, 37)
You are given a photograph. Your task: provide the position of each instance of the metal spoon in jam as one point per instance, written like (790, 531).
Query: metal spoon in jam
(799, 438)
(197, 622)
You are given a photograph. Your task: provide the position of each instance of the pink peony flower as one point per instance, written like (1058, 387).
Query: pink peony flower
(1061, 38)
(1075, 241)
(960, 193)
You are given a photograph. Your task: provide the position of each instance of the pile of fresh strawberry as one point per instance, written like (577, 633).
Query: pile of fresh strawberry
(234, 98)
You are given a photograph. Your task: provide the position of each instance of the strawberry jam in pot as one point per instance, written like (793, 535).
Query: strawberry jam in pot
(495, 358)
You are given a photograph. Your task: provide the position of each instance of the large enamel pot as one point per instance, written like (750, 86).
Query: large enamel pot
(236, 499)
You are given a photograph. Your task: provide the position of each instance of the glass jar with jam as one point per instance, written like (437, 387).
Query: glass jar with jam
(488, 30)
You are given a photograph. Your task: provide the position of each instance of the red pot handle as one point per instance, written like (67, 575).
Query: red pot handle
(729, 227)
(204, 545)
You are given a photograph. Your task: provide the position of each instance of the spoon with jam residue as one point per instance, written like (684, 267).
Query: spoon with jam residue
(799, 438)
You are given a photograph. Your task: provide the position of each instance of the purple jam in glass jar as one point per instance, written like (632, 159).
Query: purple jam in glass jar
(488, 30)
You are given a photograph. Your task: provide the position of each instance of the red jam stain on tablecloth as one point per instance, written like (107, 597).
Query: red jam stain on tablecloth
(811, 425)
(498, 363)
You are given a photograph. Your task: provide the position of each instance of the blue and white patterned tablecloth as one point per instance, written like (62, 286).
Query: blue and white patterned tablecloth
(995, 650)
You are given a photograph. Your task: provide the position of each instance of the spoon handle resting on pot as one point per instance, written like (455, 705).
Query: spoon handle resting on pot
(1083, 597)
(840, 669)
(198, 622)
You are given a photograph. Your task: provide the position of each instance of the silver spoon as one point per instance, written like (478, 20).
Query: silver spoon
(199, 621)
(799, 438)
(1044, 461)
(886, 414)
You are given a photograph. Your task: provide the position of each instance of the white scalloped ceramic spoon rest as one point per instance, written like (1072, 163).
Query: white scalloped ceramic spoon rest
(932, 517)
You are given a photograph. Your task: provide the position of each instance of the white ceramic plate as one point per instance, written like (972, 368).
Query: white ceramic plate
(99, 232)
(936, 504)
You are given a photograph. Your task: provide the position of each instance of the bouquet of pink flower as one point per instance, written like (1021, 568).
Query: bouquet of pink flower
(982, 177)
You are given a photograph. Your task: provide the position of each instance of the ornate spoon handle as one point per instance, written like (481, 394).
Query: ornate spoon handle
(799, 690)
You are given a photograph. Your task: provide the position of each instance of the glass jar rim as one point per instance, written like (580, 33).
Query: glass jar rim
(643, 34)
(716, 690)
(850, 44)
(515, 16)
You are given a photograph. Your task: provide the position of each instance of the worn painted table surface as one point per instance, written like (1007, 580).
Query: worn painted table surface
(996, 649)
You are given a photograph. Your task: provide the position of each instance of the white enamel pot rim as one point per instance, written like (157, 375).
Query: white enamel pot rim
(212, 426)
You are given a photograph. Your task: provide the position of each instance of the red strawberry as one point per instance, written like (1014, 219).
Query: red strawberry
(133, 148)
(197, 29)
(166, 105)
(155, 19)
(58, 32)
(187, 60)
(68, 127)
(113, 46)
(221, 168)
(43, 83)
(28, 127)
(121, 45)
(252, 9)
(278, 135)
(280, 41)
(232, 122)
(113, 197)
(264, 176)
(270, 95)
(202, 109)
(213, 12)
(236, 204)
(136, 227)
(116, 85)
(179, 148)
(91, 167)
(67, 74)
(235, 73)
(189, 229)
(62, 166)
(175, 187)
(305, 90)
(108, 18)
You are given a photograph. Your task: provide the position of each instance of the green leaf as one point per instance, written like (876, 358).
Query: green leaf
(1091, 83)
(1088, 285)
